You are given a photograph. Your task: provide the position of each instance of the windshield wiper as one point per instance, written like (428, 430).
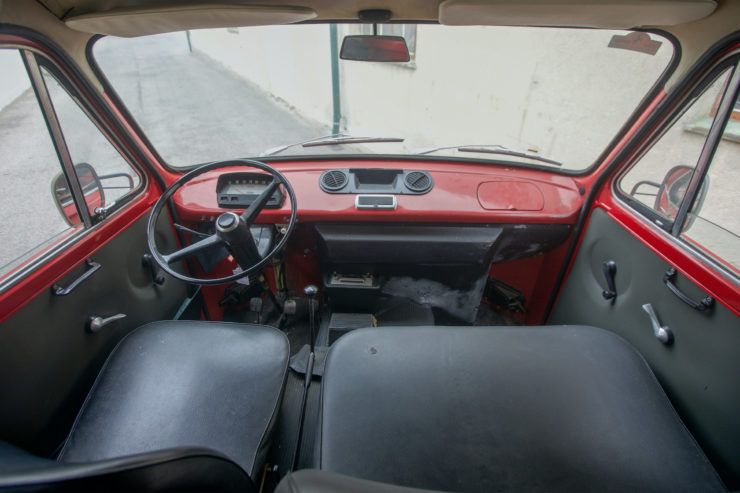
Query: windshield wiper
(493, 149)
(330, 140)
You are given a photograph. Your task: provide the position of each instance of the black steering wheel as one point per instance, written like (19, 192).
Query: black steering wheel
(232, 229)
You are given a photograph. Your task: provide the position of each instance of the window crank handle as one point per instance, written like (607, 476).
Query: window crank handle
(95, 323)
(609, 268)
(662, 332)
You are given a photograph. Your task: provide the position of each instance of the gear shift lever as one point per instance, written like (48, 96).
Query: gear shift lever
(310, 291)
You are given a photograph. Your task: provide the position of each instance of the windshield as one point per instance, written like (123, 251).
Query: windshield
(541, 96)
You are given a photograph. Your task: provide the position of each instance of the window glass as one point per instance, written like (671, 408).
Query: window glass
(103, 173)
(557, 95)
(28, 167)
(715, 226)
(659, 178)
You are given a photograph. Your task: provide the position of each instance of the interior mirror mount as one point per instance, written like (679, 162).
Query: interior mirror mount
(374, 48)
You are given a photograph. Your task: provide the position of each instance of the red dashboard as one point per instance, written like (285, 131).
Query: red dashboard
(469, 193)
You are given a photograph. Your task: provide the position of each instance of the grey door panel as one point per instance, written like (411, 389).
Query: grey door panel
(49, 359)
(700, 370)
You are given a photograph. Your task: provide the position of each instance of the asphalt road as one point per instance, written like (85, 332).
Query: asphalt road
(193, 109)
(156, 77)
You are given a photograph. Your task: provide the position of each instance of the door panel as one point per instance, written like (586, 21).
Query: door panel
(699, 370)
(49, 359)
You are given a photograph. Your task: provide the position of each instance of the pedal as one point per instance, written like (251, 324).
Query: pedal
(255, 306)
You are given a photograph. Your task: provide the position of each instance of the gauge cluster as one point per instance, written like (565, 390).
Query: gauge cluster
(239, 190)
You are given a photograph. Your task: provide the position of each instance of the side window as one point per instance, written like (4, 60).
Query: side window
(28, 165)
(715, 226)
(659, 179)
(658, 183)
(58, 172)
(104, 174)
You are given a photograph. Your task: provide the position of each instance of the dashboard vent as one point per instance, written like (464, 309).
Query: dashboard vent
(333, 180)
(418, 181)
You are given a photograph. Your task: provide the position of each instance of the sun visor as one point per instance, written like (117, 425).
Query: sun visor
(142, 21)
(617, 14)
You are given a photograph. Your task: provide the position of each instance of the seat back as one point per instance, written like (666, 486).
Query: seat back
(178, 469)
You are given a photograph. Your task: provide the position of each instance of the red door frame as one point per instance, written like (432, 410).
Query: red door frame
(92, 240)
(715, 282)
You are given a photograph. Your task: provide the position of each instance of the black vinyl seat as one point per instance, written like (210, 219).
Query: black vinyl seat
(565, 408)
(176, 393)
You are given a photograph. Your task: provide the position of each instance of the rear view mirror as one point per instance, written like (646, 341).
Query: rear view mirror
(673, 190)
(91, 188)
(670, 193)
(374, 49)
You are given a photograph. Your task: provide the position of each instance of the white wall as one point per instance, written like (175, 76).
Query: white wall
(484, 86)
(269, 58)
(466, 86)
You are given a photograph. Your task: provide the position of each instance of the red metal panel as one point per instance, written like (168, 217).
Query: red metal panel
(454, 197)
(508, 195)
(56, 268)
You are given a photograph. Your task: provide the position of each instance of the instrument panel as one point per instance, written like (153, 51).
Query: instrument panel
(240, 189)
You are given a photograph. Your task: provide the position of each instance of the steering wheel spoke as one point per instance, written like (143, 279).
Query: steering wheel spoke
(250, 215)
(201, 246)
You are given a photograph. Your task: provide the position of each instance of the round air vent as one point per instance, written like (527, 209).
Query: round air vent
(418, 181)
(333, 180)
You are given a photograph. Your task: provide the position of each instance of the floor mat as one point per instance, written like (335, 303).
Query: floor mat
(403, 312)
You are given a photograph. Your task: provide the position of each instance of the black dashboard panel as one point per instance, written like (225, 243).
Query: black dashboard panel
(376, 181)
(239, 190)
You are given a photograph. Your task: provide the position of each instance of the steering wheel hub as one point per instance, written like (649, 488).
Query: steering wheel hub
(227, 222)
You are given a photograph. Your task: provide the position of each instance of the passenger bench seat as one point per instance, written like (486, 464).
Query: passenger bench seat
(555, 408)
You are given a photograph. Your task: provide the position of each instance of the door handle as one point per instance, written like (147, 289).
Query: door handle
(662, 332)
(95, 323)
(702, 305)
(90, 269)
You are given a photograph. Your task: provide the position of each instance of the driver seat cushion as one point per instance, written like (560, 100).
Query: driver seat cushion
(554, 408)
(185, 384)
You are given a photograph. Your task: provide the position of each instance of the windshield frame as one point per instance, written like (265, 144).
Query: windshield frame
(657, 87)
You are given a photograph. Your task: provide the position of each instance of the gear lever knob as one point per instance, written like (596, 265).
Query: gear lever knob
(310, 291)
